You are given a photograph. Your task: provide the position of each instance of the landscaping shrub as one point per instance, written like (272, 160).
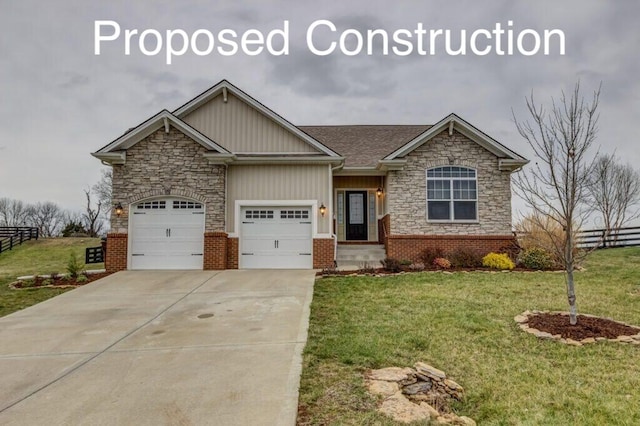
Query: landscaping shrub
(498, 261)
(74, 265)
(390, 264)
(465, 258)
(81, 278)
(536, 258)
(441, 263)
(428, 255)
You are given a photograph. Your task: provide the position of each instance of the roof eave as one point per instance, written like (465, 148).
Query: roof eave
(386, 165)
(511, 165)
(111, 158)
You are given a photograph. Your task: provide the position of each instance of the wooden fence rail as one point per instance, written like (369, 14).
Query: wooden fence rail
(603, 238)
(11, 236)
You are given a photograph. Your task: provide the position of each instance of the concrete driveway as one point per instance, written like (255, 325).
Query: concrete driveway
(152, 348)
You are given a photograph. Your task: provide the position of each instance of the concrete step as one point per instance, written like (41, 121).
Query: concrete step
(354, 256)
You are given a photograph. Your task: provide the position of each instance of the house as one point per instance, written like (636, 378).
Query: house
(225, 182)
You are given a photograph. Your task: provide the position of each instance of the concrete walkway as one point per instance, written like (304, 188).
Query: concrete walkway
(154, 348)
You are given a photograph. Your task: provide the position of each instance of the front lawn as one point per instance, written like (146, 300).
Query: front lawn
(43, 256)
(463, 324)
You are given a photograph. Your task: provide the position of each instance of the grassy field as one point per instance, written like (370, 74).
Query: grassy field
(38, 257)
(463, 324)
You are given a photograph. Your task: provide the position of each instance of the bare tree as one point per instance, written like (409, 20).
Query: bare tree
(614, 190)
(102, 189)
(47, 217)
(13, 212)
(91, 216)
(556, 186)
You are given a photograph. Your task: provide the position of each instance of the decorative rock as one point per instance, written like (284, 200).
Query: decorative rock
(402, 410)
(543, 335)
(429, 371)
(601, 339)
(625, 339)
(453, 386)
(392, 374)
(380, 387)
(520, 319)
(468, 421)
(588, 340)
(573, 342)
(420, 387)
(433, 413)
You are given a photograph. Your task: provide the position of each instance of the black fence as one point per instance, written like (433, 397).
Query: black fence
(603, 238)
(12, 236)
(93, 255)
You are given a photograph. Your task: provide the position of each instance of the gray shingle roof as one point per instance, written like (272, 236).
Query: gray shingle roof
(364, 145)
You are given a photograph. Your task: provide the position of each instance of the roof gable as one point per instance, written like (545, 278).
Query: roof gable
(223, 100)
(509, 159)
(162, 119)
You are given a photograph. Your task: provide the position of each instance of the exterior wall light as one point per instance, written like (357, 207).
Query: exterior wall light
(323, 209)
(379, 191)
(119, 209)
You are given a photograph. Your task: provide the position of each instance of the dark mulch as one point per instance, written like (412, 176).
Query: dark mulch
(586, 326)
(58, 281)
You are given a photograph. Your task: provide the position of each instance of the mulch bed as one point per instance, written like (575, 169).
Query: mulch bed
(60, 281)
(586, 326)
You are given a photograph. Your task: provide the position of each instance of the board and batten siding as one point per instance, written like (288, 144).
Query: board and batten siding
(239, 127)
(279, 182)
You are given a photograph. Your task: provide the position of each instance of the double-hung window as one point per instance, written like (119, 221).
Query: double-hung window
(452, 194)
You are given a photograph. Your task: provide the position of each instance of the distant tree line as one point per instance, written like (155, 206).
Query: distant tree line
(53, 221)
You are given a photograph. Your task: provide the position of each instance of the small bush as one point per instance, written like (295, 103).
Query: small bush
(428, 255)
(465, 258)
(74, 266)
(441, 263)
(390, 264)
(536, 258)
(329, 270)
(47, 281)
(28, 283)
(405, 262)
(81, 278)
(498, 261)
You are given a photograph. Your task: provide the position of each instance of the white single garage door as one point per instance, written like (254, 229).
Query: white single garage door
(276, 237)
(167, 233)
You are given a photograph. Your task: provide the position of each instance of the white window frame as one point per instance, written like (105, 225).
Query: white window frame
(451, 199)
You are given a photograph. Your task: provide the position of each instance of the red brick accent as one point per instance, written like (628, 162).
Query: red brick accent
(323, 253)
(408, 247)
(215, 250)
(232, 253)
(116, 256)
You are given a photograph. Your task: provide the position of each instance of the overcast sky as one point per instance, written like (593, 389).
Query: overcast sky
(59, 101)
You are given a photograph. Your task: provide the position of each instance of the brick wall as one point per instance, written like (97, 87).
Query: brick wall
(323, 253)
(384, 229)
(215, 251)
(407, 193)
(408, 247)
(232, 253)
(116, 258)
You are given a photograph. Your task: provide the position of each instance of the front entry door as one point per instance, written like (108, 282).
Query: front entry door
(356, 215)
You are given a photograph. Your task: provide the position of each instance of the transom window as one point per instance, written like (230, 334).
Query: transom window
(258, 214)
(294, 214)
(152, 205)
(452, 194)
(186, 205)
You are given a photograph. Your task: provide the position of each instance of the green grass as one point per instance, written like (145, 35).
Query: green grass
(38, 257)
(463, 324)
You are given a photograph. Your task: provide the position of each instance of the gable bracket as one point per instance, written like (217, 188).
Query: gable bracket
(224, 95)
(451, 128)
(166, 124)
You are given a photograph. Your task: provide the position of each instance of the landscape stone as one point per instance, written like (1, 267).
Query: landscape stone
(468, 421)
(402, 410)
(392, 374)
(625, 339)
(429, 371)
(588, 340)
(573, 342)
(381, 387)
(520, 318)
(420, 387)
(432, 411)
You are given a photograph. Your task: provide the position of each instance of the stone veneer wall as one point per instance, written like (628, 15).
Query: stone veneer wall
(169, 164)
(407, 191)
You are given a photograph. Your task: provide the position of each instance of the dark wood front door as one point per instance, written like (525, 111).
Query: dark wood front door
(356, 215)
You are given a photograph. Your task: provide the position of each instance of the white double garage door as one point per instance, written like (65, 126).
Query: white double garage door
(168, 233)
